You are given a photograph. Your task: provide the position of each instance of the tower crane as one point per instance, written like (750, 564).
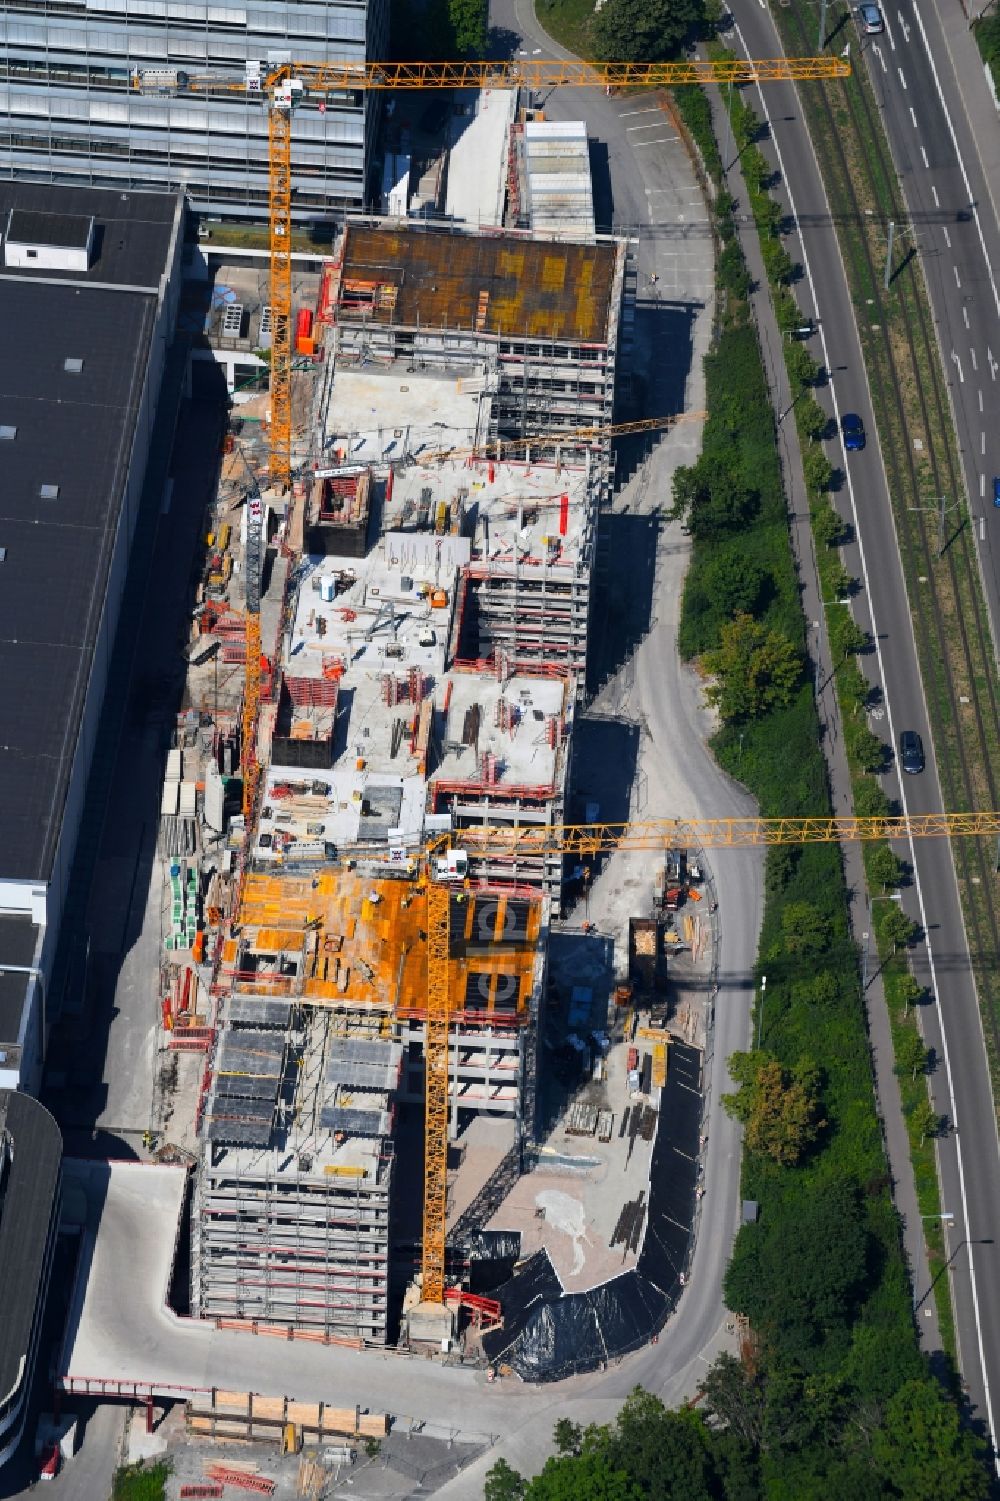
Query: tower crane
(594, 839)
(284, 86)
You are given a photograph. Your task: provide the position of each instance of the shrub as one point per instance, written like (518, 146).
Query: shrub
(869, 800)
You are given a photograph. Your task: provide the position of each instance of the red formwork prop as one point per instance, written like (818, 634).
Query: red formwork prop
(213, 1488)
(258, 1485)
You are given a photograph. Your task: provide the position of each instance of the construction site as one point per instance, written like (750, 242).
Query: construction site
(422, 594)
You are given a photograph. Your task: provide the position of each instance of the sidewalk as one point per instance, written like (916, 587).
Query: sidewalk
(887, 1096)
(974, 92)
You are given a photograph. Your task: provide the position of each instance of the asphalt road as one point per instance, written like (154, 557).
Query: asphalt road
(933, 125)
(970, 1162)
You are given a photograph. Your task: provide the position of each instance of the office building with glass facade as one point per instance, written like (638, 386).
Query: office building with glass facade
(70, 111)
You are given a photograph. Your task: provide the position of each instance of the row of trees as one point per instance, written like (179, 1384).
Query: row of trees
(911, 1446)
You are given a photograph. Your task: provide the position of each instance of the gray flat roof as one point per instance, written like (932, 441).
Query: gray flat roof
(53, 230)
(65, 444)
(18, 939)
(131, 230)
(26, 1207)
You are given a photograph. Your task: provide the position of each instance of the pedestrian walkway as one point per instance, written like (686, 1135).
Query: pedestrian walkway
(887, 1095)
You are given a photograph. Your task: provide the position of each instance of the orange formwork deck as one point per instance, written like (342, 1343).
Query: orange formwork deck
(364, 946)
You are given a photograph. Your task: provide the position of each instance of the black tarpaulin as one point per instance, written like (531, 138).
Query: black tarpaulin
(548, 1334)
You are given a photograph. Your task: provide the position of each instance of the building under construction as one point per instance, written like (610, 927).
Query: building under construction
(424, 678)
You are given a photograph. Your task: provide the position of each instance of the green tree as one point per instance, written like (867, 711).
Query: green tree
(778, 263)
(909, 991)
(735, 582)
(734, 1396)
(828, 525)
(802, 368)
(921, 1450)
(732, 270)
(811, 418)
(779, 1107)
(804, 928)
(798, 1276)
(846, 637)
(869, 750)
(568, 1436)
(665, 1453)
(855, 689)
(911, 1055)
(503, 1483)
(583, 1477)
(885, 866)
(924, 1121)
(896, 929)
(869, 800)
(713, 498)
(818, 472)
(756, 669)
(644, 30)
(468, 24)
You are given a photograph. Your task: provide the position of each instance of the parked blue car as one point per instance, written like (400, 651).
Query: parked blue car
(853, 430)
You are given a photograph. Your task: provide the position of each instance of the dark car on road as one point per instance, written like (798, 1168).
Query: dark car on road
(853, 430)
(911, 752)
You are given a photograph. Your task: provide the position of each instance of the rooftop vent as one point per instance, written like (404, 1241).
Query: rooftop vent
(72, 365)
(7, 434)
(49, 492)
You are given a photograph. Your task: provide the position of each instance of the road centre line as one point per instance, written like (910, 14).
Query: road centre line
(965, 313)
(917, 883)
(972, 356)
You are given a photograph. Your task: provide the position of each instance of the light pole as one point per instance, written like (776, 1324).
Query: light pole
(29, 969)
(760, 1011)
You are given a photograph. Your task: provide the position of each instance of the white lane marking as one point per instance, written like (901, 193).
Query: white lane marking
(965, 313)
(982, 486)
(913, 116)
(935, 196)
(658, 142)
(972, 356)
(652, 110)
(980, 401)
(923, 153)
(994, 366)
(917, 883)
(888, 32)
(655, 125)
(903, 26)
(902, 80)
(958, 366)
(982, 244)
(982, 444)
(878, 53)
(947, 237)
(958, 279)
